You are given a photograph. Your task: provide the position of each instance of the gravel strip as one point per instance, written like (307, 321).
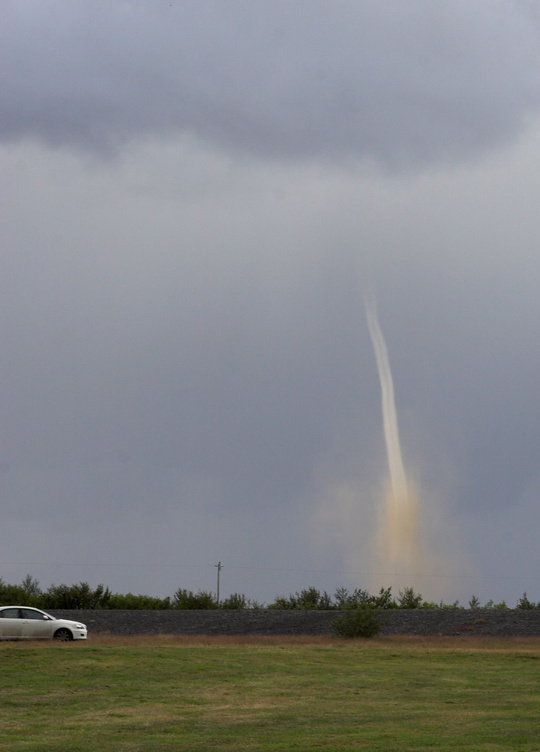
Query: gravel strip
(489, 622)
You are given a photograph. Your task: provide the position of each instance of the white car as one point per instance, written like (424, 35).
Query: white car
(24, 623)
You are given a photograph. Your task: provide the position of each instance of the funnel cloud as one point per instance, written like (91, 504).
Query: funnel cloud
(399, 541)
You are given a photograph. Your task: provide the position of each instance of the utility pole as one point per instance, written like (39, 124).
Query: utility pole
(219, 568)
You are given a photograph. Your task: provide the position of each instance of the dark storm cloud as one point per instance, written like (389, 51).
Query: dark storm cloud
(400, 82)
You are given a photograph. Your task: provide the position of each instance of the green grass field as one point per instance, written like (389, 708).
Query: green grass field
(270, 694)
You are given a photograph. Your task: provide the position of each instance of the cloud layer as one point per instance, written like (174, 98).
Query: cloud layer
(404, 84)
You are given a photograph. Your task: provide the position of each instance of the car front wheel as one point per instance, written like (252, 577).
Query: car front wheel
(63, 635)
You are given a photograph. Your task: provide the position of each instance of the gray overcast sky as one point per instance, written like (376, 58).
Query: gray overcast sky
(195, 197)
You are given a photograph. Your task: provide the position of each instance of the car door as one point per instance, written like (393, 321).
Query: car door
(35, 625)
(10, 623)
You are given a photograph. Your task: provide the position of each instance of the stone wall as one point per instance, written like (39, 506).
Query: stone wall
(492, 622)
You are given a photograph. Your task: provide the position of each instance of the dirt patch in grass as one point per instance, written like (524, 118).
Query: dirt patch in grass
(472, 642)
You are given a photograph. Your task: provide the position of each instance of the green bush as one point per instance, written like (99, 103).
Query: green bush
(309, 599)
(440, 605)
(235, 601)
(500, 606)
(358, 597)
(79, 596)
(408, 598)
(524, 602)
(281, 602)
(140, 602)
(357, 621)
(385, 599)
(27, 593)
(187, 599)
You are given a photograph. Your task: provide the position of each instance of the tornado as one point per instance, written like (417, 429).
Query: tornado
(399, 528)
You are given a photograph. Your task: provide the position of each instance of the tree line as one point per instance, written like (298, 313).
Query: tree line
(83, 596)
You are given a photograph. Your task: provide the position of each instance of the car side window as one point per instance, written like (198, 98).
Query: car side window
(11, 613)
(28, 613)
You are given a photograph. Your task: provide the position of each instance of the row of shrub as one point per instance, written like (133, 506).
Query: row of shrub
(82, 596)
(311, 598)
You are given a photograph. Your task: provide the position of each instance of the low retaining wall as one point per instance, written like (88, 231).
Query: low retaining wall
(492, 622)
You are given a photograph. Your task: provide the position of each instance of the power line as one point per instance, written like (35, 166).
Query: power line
(359, 575)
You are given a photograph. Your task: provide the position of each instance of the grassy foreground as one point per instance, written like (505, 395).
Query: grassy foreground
(270, 694)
